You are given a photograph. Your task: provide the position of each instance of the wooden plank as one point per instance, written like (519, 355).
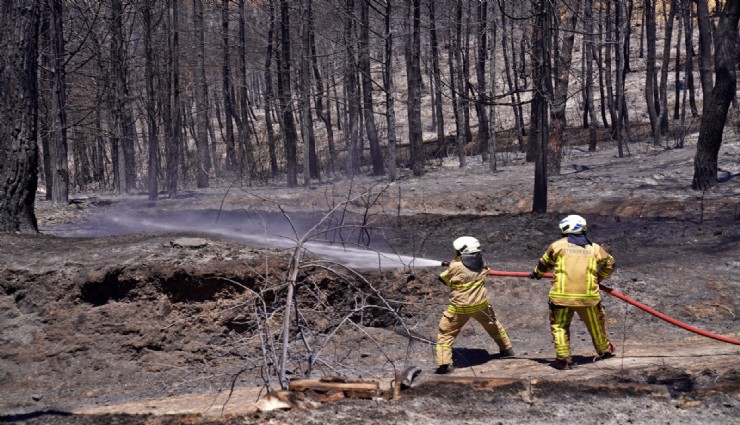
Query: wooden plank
(349, 389)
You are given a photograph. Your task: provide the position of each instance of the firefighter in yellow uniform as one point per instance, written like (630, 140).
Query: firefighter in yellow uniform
(579, 265)
(466, 275)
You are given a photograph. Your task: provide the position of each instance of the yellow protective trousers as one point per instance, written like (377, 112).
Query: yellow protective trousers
(594, 317)
(451, 323)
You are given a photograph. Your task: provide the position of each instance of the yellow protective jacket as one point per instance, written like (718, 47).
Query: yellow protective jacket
(577, 272)
(468, 288)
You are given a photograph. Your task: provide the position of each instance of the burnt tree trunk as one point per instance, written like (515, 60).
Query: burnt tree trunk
(324, 115)
(650, 88)
(560, 91)
(290, 136)
(663, 89)
(714, 115)
(151, 108)
(389, 93)
(688, 40)
(480, 72)
(203, 162)
(705, 49)
(541, 76)
(231, 159)
(174, 144)
(437, 76)
(18, 113)
(269, 90)
(351, 90)
(367, 91)
(414, 92)
(58, 122)
(458, 81)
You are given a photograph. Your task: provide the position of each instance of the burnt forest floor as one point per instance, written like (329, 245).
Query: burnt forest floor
(127, 311)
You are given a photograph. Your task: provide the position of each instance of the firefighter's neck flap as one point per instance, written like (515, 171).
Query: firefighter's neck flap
(474, 262)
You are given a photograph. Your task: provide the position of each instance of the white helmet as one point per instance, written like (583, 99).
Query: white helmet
(573, 224)
(466, 245)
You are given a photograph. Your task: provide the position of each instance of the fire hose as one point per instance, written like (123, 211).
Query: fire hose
(637, 304)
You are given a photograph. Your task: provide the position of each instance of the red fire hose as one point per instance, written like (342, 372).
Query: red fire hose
(637, 304)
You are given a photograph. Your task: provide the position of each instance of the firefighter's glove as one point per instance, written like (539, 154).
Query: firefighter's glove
(533, 275)
(445, 264)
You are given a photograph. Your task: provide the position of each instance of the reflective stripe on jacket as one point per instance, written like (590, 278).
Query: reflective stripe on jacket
(577, 272)
(468, 288)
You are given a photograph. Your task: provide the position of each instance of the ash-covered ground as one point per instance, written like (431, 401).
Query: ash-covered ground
(130, 312)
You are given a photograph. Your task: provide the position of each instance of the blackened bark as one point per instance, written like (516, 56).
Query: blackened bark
(151, 109)
(58, 122)
(389, 93)
(174, 144)
(18, 112)
(231, 159)
(541, 76)
(414, 93)
(201, 102)
(663, 89)
(560, 91)
(351, 90)
(437, 76)
(305, 78)
(459, 84)
(269, 90)
(480, 71)
(688, 40)
(705, 48)
(716, 106)
(650, 88)
(290, 135)
(590, 108)
(367, 91)
(324, 115)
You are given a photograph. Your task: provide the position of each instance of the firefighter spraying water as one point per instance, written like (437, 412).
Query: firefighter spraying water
(466, 275)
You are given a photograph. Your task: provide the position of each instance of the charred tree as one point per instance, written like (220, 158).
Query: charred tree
(18, 113)
(458, 79)
(650, 73)
(173, 146)
(58, 122)
(589, 49)
(480, 72)
(151, 105)
(688, 40)
(245, 130)
(705, 49)
(121, 142)
(560, 91)
(290, 135)
(269, 89)
(663, 89)
(714, 114)
(367, 90)
(203, 158)
(323, 114)
(437, 77)
(310, 168)
(541, 76)
(352, 94)
(414, 91)
(231, 159)
(389, 93)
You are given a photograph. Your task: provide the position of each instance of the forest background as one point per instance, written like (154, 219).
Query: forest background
(156, 96)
